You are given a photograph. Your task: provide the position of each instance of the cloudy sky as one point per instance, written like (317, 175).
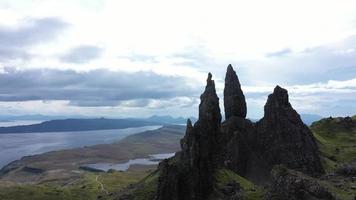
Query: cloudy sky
(139, 58)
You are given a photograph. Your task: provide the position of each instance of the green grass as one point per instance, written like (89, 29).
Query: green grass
(251, 191)
(146, 189)
(85, 189)
(337, 144)
(118, 180)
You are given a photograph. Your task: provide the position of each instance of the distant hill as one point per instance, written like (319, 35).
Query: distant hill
(86, 124)
(38, 117)
(155, 118)
(78, 125)
(308, 119)
(335, 125)
(169, 119)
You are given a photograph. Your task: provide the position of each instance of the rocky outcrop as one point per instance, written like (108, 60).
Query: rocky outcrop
(292, 185)
(282, 137)
(189, 175)
(333, 125)
(234, 99)
(249, 149)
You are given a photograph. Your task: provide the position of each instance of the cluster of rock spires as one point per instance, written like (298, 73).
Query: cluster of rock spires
(249, 149)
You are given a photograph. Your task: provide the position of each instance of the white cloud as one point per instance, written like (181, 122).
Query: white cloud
(328, 98)
(301, 44)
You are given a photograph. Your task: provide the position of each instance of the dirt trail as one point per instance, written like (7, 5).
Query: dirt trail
(101, 185)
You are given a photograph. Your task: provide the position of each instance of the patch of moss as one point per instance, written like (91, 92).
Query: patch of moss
(115, 181)
(336, 143)
(250, 190)
(224, 176)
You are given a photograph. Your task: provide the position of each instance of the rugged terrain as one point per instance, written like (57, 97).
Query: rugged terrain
(277, 157)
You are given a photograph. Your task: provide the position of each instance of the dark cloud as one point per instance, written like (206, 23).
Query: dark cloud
(82, 54)
(15, 40)
(335, 61)
(13, 53)
(93, 88)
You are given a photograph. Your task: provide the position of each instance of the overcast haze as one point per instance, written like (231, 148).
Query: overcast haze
(140, 58)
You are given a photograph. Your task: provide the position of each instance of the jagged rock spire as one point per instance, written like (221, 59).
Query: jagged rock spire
(234, 99)
(278, 106)
(209, 109)
(289, 140)
(250, 149)
(184, 143)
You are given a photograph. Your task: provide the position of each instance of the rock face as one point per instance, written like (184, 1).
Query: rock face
(282, 138)
(189, 175)
(249, 149)
(234, 99)
(288, 184)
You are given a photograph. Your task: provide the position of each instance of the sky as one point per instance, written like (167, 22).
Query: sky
(140, 58)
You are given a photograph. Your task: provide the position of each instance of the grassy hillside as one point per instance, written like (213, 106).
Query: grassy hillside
(337, 140)
(87, 187)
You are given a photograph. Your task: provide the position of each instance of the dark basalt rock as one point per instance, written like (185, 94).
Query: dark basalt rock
(235, 139)
(234, 99)
(288, 184)
(347, 170)
(231, 191)
(246, 148)
(191, 175)
(282, 137)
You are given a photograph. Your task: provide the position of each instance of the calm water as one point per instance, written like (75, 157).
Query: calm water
(151, 160)
(16, 145)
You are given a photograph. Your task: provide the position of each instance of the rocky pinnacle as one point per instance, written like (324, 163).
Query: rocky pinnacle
(289, 140)
(209, 109)
(237, 144)
(234, 99)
